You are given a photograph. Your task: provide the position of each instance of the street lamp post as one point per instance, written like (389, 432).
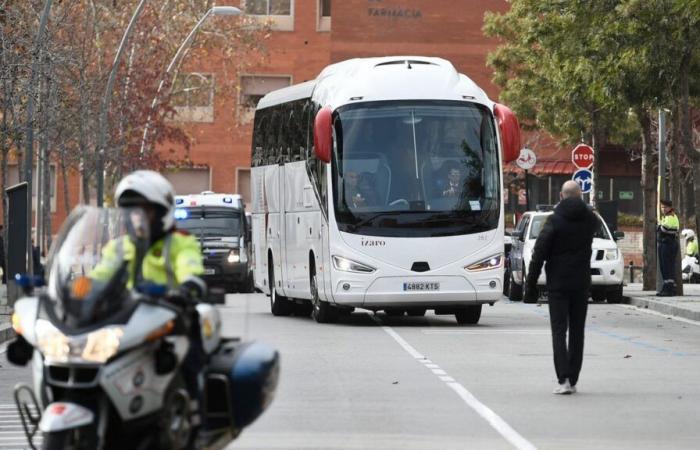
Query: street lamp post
(217, 11)
(106, 100)
(29, 151)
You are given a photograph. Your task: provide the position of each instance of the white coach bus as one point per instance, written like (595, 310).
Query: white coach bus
(378, 185)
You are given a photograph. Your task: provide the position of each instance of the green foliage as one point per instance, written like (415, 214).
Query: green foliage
(629, 220)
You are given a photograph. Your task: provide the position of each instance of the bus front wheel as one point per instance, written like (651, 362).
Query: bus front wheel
(469, 315)
(323, 312)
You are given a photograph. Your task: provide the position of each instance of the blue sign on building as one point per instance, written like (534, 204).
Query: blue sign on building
(584, 178)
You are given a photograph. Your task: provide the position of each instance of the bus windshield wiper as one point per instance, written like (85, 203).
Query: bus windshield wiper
(371, 218)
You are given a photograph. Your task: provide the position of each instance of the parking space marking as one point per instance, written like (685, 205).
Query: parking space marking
(486, 413)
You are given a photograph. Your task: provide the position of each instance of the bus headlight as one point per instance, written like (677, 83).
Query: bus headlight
(491, 262)
(233, 256)
(348, 265)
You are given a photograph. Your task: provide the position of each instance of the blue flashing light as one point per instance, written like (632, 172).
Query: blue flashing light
(228, 200)
(179, 201)
(181, 214)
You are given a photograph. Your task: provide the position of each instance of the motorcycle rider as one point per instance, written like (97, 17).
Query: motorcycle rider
(173, 258)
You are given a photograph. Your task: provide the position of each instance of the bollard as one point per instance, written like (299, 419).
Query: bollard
(631, 266)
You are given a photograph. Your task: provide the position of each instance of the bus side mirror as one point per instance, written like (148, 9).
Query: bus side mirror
(323, 134)
(509, 129)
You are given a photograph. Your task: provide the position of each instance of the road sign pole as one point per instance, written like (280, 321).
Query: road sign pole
(527, 193)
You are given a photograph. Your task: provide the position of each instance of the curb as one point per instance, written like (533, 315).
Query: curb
(6, 332)
(663, 308)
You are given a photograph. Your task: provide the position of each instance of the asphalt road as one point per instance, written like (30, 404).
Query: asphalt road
(370, 382)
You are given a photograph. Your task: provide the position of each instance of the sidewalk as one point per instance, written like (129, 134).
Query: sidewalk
(687, 306)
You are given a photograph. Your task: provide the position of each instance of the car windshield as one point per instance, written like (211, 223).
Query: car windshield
(418, 168)
(209, 222)
(92, 261)
(538, 222)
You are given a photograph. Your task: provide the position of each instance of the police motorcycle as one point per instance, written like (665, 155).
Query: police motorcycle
(690, 267)
(106, 354)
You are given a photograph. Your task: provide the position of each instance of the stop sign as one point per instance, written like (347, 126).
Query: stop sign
(582, 156)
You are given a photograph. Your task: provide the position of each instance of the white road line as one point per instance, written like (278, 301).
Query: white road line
(496, 422)
(439, 372)
(486, 332)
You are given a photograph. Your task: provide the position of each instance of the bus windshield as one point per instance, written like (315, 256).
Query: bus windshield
(416, 168)
(209, 222)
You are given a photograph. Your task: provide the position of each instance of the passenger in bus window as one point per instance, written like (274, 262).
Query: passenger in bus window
(447, 182)
(368, 189)
(353, 196)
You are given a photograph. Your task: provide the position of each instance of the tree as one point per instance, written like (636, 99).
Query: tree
(586, 67)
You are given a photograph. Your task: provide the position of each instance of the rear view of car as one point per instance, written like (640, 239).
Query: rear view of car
(607, 264)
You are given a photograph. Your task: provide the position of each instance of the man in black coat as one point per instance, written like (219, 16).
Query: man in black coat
(565, 244)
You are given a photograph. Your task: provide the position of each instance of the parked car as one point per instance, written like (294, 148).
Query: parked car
(607, 263)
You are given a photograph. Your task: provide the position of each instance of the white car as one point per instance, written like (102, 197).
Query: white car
(607, 264)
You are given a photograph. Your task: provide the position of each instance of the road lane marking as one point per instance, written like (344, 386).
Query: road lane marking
(485, 332)
(486, 413)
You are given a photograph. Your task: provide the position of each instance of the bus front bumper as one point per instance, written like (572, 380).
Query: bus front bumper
(414, 291)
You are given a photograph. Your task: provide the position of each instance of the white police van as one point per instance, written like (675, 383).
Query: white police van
(607, 264)
(219, 222)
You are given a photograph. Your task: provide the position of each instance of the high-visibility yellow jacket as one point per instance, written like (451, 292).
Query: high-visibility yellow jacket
(669, 224)
(691, 249)
(169, 261)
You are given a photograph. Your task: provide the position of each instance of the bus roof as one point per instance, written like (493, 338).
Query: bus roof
(383, 78)
(208, 198)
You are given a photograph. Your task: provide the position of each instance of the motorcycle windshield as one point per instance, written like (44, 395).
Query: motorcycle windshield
(92, 262)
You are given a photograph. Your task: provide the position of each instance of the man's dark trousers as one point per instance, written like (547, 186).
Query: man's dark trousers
(567, 310)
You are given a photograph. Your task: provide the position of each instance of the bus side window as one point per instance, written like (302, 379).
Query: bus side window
(283, 112)
(271, 148)
(299, 127)
(258, 137)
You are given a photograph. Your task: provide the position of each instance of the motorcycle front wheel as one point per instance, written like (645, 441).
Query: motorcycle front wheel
(78, 439)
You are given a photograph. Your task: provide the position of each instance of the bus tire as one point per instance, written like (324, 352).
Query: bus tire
(303, 309)
(469, 315)
(279, 304)
(416, 312)
(322, 312)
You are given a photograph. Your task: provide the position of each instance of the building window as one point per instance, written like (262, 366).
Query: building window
(193, 97)
(324, 15)
(253, 88)
(279, 12)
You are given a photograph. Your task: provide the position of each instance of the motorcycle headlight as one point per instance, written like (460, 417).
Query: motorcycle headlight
(233, 256)
(611, 255)
(491, 262)
(97, 346)
(348, 265)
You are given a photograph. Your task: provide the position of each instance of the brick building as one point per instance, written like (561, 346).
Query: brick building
(310, 34)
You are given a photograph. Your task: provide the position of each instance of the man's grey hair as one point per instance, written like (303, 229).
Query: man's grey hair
(570, 189)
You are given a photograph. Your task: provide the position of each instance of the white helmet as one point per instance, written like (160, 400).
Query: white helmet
(688, 234)
(152, 186)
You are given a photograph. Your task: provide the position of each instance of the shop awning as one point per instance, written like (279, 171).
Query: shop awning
(543, 168)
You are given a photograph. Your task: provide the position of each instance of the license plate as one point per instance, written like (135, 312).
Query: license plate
(209, 271)
(421, 286)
